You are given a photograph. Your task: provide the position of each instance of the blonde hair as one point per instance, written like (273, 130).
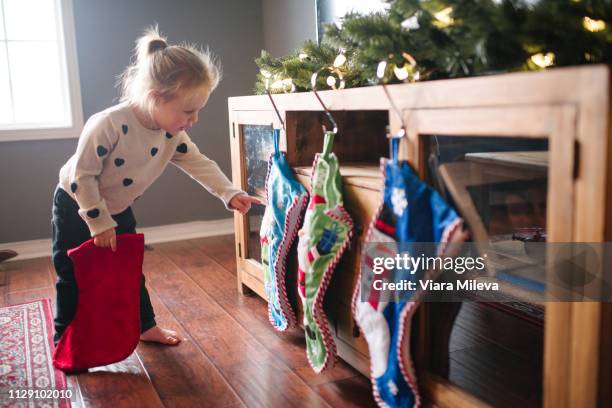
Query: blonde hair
(167, 69)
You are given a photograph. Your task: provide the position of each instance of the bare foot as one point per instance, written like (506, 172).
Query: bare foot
(158, 335)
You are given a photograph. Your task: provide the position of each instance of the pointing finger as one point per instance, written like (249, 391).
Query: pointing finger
(256, 200)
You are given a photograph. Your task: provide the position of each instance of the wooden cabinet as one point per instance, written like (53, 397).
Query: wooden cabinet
(515, 153)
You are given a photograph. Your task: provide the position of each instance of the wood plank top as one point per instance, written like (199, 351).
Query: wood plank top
(355, 174)
(553, 86)
(537, 160)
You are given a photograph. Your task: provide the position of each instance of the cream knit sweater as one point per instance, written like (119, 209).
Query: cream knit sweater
(117, 159)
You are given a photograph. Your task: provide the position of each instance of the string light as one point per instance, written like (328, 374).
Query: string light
(401, 73)
(592, 25)
(543, 60)
(277, 84)
(409, 58)
(288, 83)
(380, 71)
(302, 56)
(406, 72)
(313, 81)
(285, 85)
(444, 18)
(411, 23)
(334, 80)
(339, 61)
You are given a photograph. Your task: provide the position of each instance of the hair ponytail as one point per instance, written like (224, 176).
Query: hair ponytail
(165, 69)
(150, 42)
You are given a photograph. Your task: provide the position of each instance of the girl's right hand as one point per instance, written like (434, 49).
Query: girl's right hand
(107, 238)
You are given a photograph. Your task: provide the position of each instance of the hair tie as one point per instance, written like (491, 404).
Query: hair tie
(156, 45)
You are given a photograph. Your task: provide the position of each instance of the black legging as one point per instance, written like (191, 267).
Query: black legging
(70, 231)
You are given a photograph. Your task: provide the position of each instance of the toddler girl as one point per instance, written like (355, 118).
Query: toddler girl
(122, 150)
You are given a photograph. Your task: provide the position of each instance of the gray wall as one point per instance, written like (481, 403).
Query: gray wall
(287, 24)
(105, 34)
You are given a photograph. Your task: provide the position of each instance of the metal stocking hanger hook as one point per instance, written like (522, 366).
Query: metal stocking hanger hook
(280, 118)
(313, 83)
(380, 74)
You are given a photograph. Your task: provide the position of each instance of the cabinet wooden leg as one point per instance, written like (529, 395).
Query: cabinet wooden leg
(244, 289)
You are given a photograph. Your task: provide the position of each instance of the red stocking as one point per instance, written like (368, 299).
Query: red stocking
(106, 326)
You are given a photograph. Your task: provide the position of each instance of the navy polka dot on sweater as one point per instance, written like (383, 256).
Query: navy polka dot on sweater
(182, 148)
(93, 213)
(73, 187)
(127, 181)
(168, 135)
(154, 151)
(124, 129)
(119, 162)
(101, 150)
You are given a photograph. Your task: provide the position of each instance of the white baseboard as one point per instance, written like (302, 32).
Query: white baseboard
(39, 248)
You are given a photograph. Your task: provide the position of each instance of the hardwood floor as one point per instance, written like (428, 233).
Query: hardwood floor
(232, 357)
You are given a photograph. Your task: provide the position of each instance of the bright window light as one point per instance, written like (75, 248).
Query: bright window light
(341, 7)
(39, 96)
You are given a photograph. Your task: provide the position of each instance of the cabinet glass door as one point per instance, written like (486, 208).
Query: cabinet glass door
(500, 187)
(258, 145)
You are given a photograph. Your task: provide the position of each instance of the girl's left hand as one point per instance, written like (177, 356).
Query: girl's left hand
(242, 202)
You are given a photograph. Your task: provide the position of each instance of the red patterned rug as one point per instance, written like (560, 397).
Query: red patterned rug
(27, 376)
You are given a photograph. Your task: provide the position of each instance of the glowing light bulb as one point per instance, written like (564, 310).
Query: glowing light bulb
(411, 23)
(543, 60)
(277, 84)
(380, 71)
(401, 73)
(444, 17)
(313, 80)
(592, 25)
(409, 58)
(339, 61)
(331, 81)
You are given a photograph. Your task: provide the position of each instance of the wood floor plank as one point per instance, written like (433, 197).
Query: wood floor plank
(17, 289)
(250, 312)
(268, 384)
(3, 283)
(221, 249)
(350, 392)
(124, 384)
(24, 296)
(182, 375)
(180, 295)
(28, 275)
(258, 376)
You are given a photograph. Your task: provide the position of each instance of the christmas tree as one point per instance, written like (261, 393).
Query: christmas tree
(430, 39)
